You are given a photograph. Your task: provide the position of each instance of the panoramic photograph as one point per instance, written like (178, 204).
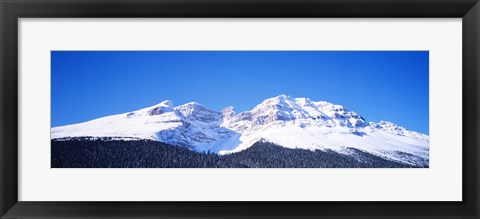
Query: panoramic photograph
(239, 109)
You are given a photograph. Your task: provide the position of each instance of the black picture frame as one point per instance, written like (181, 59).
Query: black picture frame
(12, 10)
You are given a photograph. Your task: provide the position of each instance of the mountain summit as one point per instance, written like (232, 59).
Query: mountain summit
(283, 120)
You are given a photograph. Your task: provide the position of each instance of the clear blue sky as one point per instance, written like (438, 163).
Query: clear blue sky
(379, 85)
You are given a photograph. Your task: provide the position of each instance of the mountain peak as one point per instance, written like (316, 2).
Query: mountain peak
(283, 96)
(167, 103)
(228, 108)
(191, 107)
(275, 102)
(161, 108)
(198, 112)
(193, 104)
(228, 112)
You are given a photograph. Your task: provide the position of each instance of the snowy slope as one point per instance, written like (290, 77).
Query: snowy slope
(302, 123)
(283, 120)
(191, 125)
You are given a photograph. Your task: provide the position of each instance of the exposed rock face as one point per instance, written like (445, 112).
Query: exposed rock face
(200, 127)
(228, 112)
(196, 112)
(284, 109)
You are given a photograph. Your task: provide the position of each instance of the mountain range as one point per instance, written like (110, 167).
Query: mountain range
(293, 123)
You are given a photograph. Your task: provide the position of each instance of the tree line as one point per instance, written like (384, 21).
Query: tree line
(98, 153)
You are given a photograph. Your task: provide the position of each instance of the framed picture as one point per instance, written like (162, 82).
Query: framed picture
(255, 109)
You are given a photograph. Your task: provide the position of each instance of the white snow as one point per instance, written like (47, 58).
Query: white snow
(286, 121)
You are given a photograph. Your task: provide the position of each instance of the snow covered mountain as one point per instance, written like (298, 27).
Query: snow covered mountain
(282, 120)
